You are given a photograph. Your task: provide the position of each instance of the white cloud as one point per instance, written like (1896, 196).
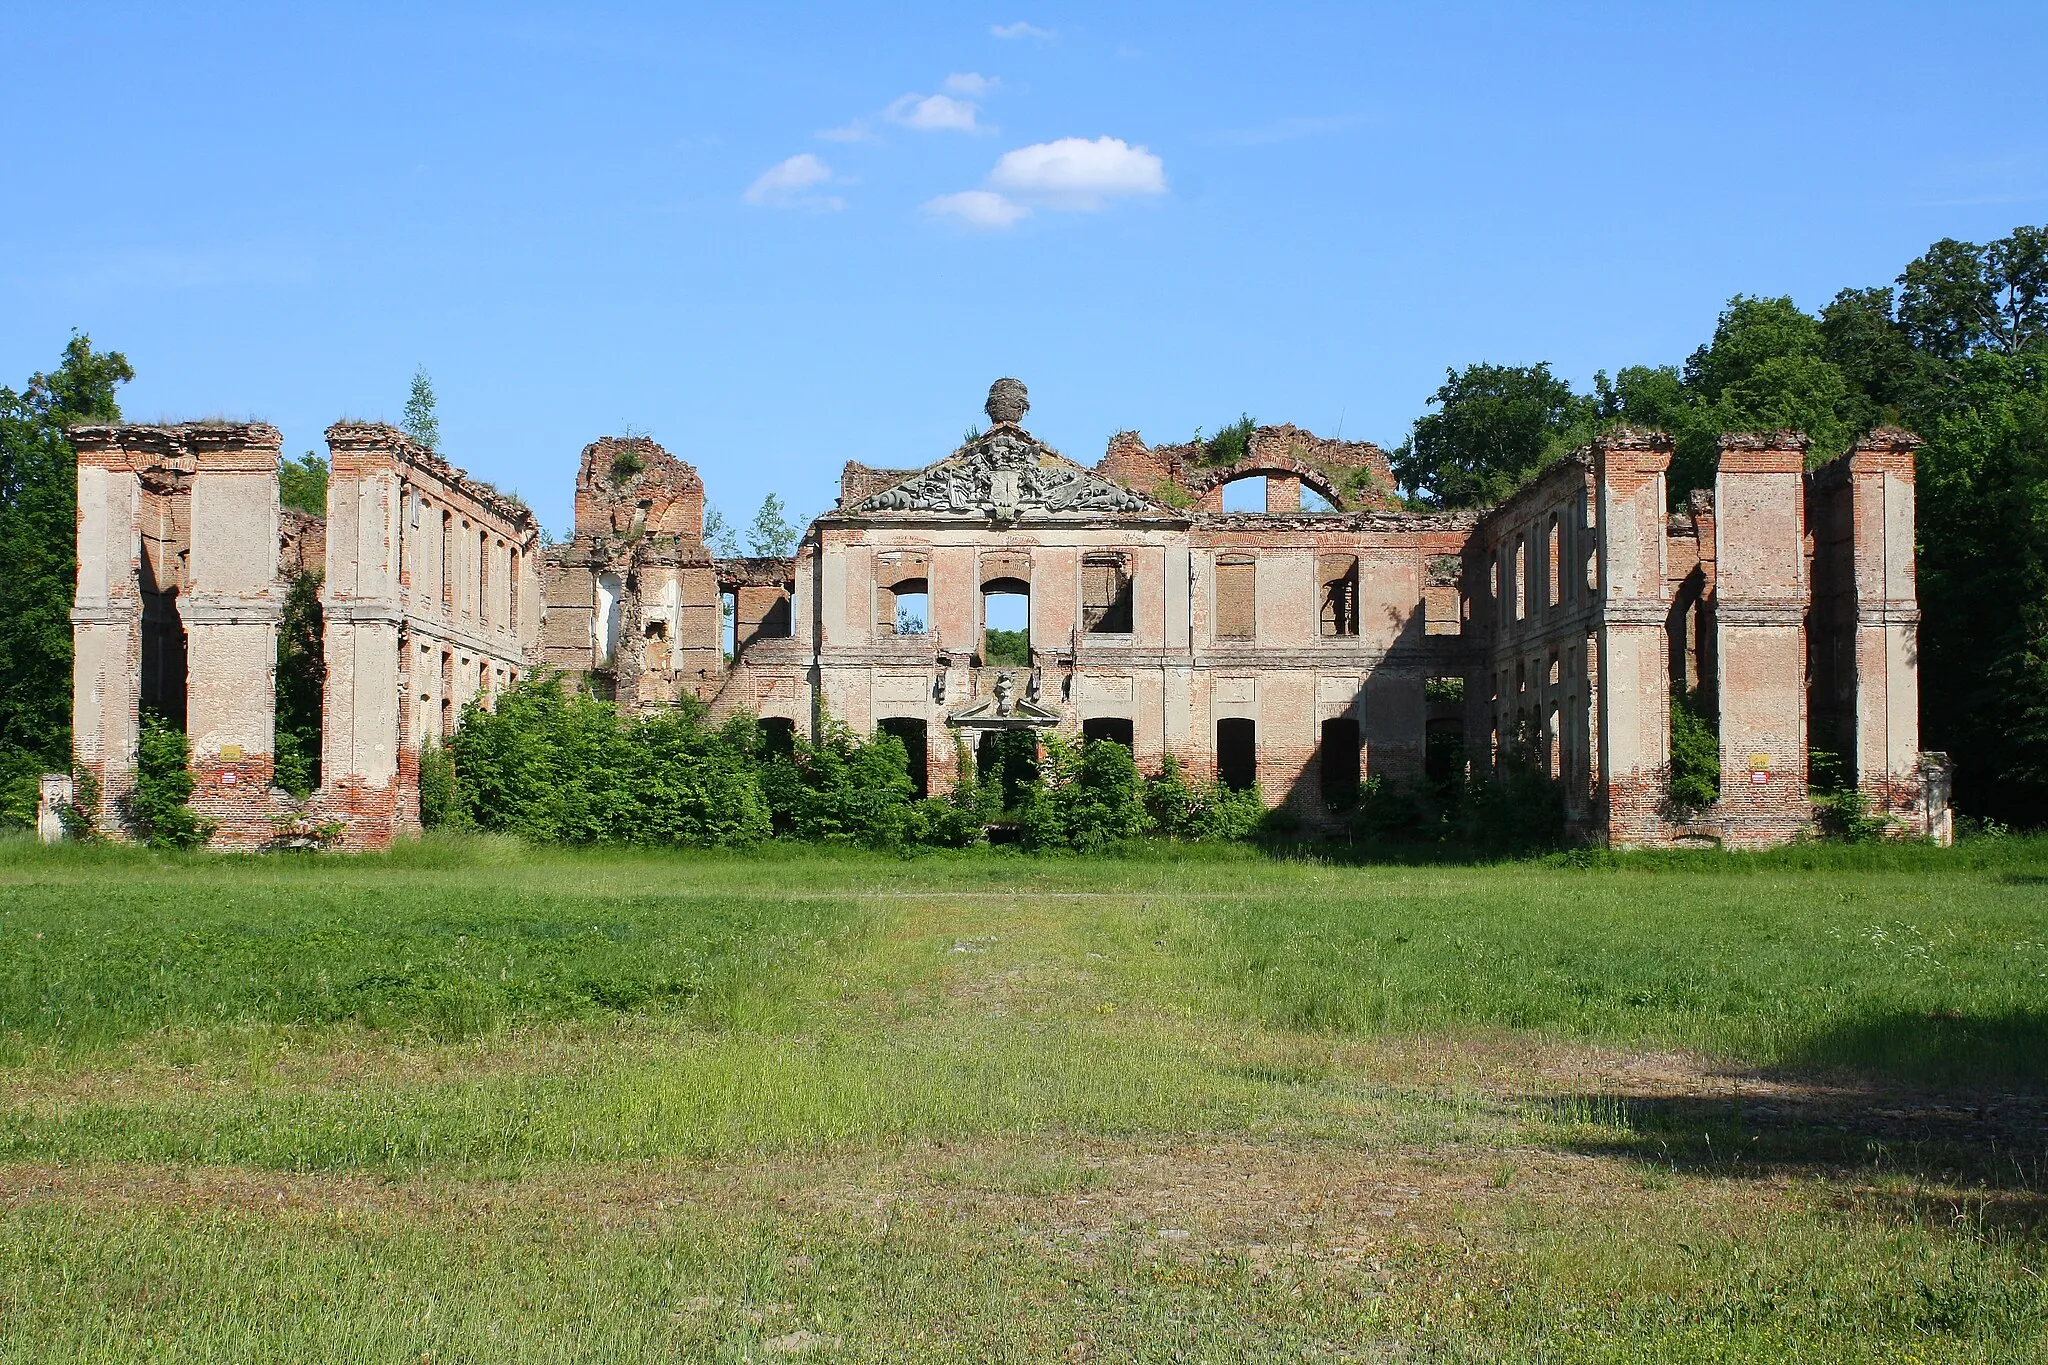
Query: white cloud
(1077, 173)
(971, 83)
(1020, 29)
(787, 185)
(977, 208)
(856, 131)
(936, 113)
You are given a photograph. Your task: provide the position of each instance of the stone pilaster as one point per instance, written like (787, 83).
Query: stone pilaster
(1633, 715)
(1761, 601)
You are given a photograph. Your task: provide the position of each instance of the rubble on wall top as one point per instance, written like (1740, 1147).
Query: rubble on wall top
(1629, 438)
(380, 436)
(1889, 438)
(176, 438)
(755, 571)
(1782, 439)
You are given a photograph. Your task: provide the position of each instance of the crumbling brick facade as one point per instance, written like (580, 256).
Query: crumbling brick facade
(1296, 651)
(632, 599)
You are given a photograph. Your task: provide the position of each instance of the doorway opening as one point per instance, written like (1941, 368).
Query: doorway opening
(1237, 753)
(909, 730)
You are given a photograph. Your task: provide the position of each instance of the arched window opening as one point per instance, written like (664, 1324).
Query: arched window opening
(1115, 729)
(778, 734)
(1006, 622)
(1245, 495)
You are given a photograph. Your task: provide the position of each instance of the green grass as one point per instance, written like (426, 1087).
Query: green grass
(485, 1102)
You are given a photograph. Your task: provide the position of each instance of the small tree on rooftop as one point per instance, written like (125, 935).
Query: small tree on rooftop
(421, 422)
(772, 535)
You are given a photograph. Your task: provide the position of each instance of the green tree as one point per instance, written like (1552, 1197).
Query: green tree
(39, 561)
(1766, 369)
(302, 484)
(157, 811)
(718, 533)
(301, 675)
(772, 535)
(1493, 427)
(422, 422)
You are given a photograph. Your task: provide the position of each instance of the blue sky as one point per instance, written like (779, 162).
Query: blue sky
(777, 238)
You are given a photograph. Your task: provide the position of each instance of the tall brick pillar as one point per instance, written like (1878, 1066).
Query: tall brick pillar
(361, 736)
(1633, 713)
(106, 619)
(1886, 751)
(231, 617)
(1761, 601)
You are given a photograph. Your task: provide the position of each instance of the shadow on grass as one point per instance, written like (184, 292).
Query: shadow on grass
(1947, 1100)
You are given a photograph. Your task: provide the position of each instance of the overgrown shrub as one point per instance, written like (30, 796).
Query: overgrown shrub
(555, 768)
(1199, 811)
(841, 789)
(1519, 810)
(1841, 809)
(1087, 796)
(1695, 753)
(301, 676)
(156, 809)
(440, 802)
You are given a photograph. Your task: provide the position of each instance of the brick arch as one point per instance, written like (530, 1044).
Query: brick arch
(1263, 465)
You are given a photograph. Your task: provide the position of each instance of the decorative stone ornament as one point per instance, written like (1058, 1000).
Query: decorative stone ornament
(1007, 402)
(1005, 476)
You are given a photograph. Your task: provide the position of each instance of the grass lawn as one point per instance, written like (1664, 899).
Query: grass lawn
(470, 1101)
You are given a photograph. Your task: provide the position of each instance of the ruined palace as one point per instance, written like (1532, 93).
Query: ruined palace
(1296, 649)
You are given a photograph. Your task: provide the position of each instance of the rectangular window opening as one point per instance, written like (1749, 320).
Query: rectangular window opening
(1338, 576)
(1237, 753)
(1106, 594)
(1339, 760)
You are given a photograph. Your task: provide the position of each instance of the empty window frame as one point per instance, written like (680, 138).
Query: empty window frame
(1338, 755)
(1521, 588)
(1337, 577)
(910, 730)
(1106, 594)
(1115, 729)
(1006, 622)
(1553, 570)
(903, 608)
(778, 734)
(1237, 753)
(1237, 602)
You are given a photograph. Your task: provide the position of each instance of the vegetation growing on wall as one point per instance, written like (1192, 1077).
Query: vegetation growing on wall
(1695, 753)
(156, 810)
(301, 677)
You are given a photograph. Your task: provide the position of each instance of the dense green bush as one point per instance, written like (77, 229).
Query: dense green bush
(1087, 796)
(558, 768)
(841, 789)
(1695, 753)
(1199, 811)
(156, 809)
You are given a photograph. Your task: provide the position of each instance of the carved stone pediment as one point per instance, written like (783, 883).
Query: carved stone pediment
(1003, 709)
(1006, 476)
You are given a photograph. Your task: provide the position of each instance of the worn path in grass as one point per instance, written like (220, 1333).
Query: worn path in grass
(479, 1103)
